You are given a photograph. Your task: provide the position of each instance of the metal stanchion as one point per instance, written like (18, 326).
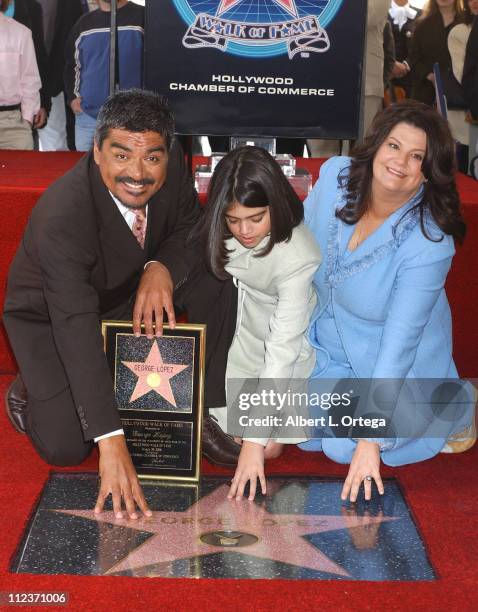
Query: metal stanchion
(113, 50)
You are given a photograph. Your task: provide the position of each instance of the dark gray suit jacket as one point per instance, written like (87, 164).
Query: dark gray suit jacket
(78, 263)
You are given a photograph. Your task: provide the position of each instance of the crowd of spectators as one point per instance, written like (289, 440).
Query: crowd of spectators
(404, 42)
(54, 70)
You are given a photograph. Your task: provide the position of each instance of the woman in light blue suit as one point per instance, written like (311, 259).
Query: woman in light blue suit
(386, 220)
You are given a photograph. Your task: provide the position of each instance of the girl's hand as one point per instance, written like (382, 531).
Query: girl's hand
(365, 462)
(250, 467)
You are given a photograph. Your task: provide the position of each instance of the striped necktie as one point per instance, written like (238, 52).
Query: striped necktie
(139, 226)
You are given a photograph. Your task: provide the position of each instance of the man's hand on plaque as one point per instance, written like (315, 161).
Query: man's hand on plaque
(155, 293)
(118, 478)
(250, 467)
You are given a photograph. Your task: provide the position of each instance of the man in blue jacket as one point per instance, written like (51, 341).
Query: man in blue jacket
(87, 63)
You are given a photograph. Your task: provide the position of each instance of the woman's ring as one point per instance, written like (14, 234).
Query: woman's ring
(369, 478)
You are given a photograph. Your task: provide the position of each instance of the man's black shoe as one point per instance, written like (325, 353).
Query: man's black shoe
(218, 446)
(16, 405)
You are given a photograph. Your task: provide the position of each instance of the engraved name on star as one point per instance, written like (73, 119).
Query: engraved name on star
(154, 375)
(177, 535)
(288, 5)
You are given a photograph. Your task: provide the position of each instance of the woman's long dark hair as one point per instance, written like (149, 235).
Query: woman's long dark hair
(432, 8)
(251, 177)
(440, 196)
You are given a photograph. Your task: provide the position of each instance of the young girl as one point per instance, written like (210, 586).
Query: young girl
(253, 229)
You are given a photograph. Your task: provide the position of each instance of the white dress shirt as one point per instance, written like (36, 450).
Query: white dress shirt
(401, 14)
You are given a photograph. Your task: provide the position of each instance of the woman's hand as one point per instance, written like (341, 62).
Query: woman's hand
(250, 467)
(365, 462)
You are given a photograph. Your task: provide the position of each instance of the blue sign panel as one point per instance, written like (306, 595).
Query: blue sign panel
(258, 67)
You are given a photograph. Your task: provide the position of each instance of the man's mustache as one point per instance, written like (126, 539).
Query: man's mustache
(128, 179)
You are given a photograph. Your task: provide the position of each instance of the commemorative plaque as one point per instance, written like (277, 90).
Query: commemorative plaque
(159, 386)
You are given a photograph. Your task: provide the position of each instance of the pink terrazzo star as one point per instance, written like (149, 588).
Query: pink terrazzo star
(288, 5)
(279, 535)
(154, 375)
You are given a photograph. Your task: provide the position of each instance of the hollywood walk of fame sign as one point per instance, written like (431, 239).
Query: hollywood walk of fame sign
(159, 391)
(258, 68)
(299, 530)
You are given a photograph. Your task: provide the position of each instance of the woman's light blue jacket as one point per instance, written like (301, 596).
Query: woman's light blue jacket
(387, 295)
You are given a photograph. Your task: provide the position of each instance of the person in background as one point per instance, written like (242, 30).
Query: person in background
(59, 16)
(20, 83)
(429, 45)
(402, 18)
(87, 63)
(374, 60)
(29, 13)
(388, 55)
(470, 88)
(457, 42)
(458, 38)
(470, 71)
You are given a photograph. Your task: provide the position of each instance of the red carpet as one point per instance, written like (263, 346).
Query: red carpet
(442, 494)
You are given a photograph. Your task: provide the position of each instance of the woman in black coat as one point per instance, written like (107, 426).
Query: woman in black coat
(429, 45)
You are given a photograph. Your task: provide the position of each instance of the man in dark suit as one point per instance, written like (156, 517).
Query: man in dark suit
(126, 207)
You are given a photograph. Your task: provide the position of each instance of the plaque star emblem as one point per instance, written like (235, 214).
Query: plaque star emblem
(214, 518)
(288, 5)
(154, 375)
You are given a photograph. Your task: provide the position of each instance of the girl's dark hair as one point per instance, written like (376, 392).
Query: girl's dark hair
(439, 197)
(4, 5)
(251, 177)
